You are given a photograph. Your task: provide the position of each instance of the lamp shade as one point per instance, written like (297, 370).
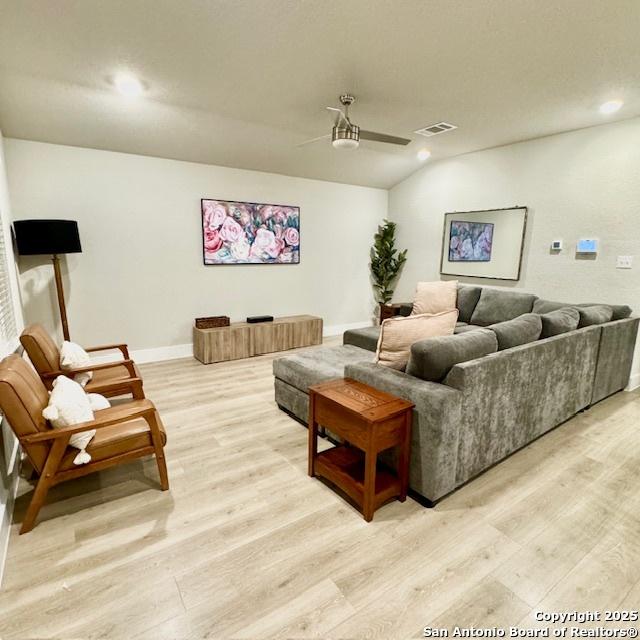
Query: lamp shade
(37, 237)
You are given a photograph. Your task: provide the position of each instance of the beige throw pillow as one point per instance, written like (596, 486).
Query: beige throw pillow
(435, 297)
(398, 334)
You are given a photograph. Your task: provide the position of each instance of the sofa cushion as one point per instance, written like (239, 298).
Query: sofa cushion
(432, 359)
(435, 297)
(467, 300)
(365, 338)
(463, 327)
(521, 330)
(317, 364)
(496, 306)
(546, 306)
(598, 314)
(398, 334)
(618, 311)
(559, 321)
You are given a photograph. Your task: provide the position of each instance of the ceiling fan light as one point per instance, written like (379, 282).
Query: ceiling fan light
(345, 137)
(345, 143)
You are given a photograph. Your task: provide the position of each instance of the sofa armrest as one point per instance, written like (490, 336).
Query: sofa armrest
(405, 308)
(436, 425)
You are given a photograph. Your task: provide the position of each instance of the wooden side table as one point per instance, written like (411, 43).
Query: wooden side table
(370, 421)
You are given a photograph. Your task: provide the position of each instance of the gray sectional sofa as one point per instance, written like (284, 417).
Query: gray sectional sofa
(516, 367)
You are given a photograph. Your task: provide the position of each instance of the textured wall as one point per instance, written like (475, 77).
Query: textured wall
(140, 277)
(583, 183)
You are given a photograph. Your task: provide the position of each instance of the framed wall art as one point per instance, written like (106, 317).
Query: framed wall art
(484, 244)
(249, 233)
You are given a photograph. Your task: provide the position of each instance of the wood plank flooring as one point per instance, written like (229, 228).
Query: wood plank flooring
(245, 545)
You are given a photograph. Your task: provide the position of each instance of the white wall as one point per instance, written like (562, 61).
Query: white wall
(583, 183)
(140, 277)
(8, 444)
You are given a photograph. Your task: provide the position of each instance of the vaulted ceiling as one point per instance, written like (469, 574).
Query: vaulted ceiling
(241, 83)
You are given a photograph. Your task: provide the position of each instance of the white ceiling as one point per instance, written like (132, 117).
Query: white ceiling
(241, 82)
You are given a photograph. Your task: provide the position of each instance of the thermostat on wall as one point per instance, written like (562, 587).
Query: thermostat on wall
(556, 245)
(587, 246)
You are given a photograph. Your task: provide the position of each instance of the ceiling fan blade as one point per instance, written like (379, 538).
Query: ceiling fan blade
(382, 137)
(340, 115)
(328, 135)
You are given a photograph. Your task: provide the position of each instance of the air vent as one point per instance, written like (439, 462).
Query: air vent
(435, 129)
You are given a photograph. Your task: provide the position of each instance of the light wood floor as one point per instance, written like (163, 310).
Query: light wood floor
(245, 545)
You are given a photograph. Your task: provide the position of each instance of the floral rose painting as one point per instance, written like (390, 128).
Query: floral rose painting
(246, 233)
(470, 241)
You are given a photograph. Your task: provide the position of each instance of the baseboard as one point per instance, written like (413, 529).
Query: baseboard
(157, 354)
(6, 514)
(634, 382)
(339, 329)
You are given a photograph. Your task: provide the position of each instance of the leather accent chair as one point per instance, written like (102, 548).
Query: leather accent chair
(124, 432)
(109, 379)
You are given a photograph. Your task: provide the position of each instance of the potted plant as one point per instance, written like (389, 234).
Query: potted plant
(386, 262)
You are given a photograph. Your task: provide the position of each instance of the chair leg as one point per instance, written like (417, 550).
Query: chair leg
(44, 484)
(137, 392)
(39, 496)
(156, 438)
(162, 470)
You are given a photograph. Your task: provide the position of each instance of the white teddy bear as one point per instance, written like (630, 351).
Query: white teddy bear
(70, 405)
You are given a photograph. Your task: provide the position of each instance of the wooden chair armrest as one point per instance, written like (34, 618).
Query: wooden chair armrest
(108, 347)
(102, 418)
(115, 385)
(93, 367)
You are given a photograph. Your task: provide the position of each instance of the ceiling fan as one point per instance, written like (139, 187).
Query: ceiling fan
(346, 135)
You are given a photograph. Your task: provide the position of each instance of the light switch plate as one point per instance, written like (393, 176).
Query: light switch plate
(624, 262)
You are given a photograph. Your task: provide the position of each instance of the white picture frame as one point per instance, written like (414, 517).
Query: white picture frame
(501, 256)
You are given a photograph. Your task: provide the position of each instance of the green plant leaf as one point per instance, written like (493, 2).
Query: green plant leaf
(386, 261)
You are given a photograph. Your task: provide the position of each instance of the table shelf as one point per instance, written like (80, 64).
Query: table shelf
(343, 465)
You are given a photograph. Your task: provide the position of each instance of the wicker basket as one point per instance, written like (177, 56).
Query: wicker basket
(212, 322)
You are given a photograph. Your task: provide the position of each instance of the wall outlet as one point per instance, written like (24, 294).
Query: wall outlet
(624, 262)
(556, 245)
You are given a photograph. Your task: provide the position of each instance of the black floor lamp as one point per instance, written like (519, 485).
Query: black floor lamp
(41, 237)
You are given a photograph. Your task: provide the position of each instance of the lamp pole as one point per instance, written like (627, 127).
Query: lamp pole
(63, 312)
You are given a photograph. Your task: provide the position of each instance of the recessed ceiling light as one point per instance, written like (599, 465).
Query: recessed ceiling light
(128, 85)
(611, 107)
(424, 154)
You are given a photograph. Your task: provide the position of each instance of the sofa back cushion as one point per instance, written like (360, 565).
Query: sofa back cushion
(597, 314)
(468, 297)
(559, 321)
(521, 330)
(435, 297)
(546, 306)
(618, 311)
(432, 359)
(496, 306)
(398, 334)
